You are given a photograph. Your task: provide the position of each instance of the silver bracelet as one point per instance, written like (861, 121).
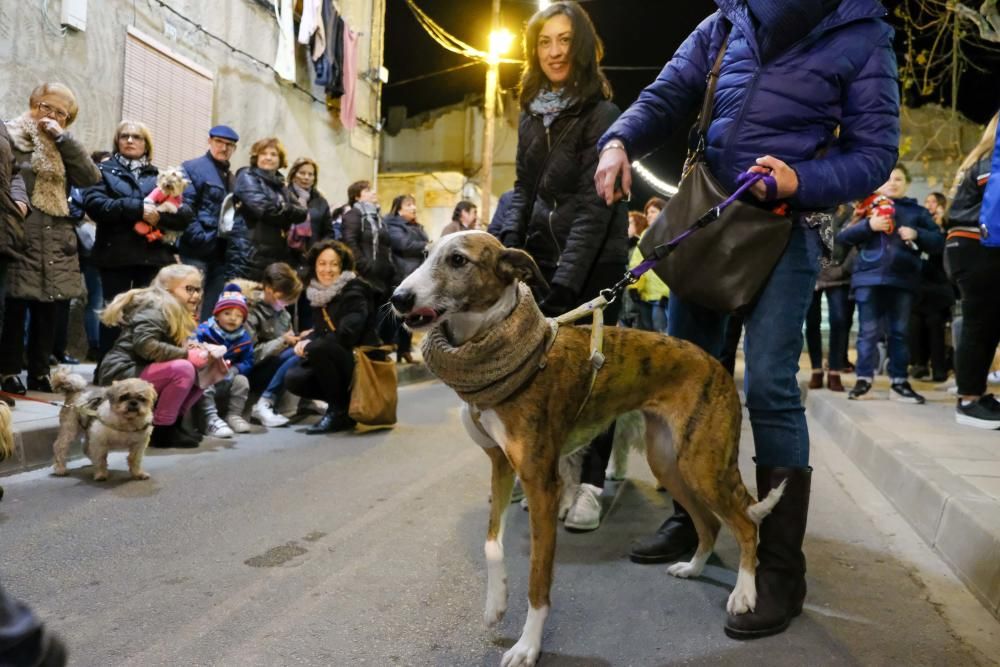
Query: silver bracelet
(613, 144)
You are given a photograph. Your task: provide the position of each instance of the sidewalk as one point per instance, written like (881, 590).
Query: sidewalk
(37, 424)
(942, 477)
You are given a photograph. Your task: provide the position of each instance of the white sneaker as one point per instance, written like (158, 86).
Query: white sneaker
(585, 514)
(217, 428)
(263, 412)
(238, 424)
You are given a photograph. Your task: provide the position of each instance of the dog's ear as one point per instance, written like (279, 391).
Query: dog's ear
(515, 264)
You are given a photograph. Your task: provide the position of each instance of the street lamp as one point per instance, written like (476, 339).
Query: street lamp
(501, 40)
(544, 4)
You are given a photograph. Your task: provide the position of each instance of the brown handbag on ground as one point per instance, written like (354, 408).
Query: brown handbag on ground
(724, 265)
(373, 388)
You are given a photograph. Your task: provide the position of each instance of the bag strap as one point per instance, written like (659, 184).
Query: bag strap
(705, 117)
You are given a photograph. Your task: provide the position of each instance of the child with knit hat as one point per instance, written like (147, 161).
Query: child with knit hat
(225, 328)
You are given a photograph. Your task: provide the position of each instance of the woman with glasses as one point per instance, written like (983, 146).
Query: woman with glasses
(127, 258)
(157, 325)
(47, 270)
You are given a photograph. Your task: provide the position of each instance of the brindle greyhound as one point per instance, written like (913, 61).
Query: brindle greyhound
(468, 286)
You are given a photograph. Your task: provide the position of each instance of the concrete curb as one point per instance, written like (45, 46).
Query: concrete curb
(959, 521)
(33, 438)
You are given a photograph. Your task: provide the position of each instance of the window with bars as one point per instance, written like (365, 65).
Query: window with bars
(170, 94)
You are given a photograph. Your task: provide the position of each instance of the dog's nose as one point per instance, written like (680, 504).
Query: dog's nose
(403, 300)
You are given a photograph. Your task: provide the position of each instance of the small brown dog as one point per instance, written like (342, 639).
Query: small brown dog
(115, 417)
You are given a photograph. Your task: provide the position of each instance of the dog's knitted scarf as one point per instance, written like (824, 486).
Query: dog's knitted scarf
(487, 370)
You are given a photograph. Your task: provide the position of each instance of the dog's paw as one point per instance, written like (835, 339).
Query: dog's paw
(744, 595)
(100, 476)
(521, 654)
(496, 607)
(142, 474)
(684, 570)
(60, 471)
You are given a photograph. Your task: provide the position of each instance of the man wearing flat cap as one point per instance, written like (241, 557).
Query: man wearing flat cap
(210, 181)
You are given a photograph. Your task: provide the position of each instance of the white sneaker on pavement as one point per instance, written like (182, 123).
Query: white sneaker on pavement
(263, 412)
(238, 424)
(585, 514)
(216, 428)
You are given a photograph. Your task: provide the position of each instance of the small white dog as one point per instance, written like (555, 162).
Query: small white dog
(115, 417)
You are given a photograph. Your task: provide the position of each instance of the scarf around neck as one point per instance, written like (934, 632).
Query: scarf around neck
(134, 166)
(49, 194)
(489, 369)
(549, 104)
(319, 295)
(229, 336)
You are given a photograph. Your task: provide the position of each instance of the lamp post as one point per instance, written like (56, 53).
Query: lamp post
(500, 43)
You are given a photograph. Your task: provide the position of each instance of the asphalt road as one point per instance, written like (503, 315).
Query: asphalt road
(285, 549)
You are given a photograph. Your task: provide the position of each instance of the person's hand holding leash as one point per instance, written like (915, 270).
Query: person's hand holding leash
(613, 165)
(786, 178)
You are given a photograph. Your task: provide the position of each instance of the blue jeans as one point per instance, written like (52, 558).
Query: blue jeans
(652, 316)
(880, 308)
(276, 387)
(771, 345)
(214, 280)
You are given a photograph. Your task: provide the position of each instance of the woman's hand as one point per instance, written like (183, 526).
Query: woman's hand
(23, 208)
(908, 233)
(784, 176)
(880, 223)
(300, 348)
(50, 127)
(613, 165)
(150, 214)
(290, 338)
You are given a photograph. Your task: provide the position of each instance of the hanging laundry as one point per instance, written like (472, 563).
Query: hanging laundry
(348, 116)
(284, 59)
(312, 20)
(334, 59)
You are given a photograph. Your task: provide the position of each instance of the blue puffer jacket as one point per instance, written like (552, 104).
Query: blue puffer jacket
(843, 73)
(205, 194)
(885, 259)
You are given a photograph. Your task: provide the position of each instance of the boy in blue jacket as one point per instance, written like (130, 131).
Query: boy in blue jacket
(225, 328)
(886, 278)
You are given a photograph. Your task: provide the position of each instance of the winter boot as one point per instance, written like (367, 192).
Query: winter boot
(671, 541)
(781, 569)
(816, 380)
(833, 381)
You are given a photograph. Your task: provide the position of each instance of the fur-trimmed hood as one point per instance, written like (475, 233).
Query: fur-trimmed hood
(49, 192)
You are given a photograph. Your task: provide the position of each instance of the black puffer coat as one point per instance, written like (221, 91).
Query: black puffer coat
(565, 226)
(116, 204)
(265, 210)
(368, 238)
(409, 243)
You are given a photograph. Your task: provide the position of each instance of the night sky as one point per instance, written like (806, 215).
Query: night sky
(635, 32)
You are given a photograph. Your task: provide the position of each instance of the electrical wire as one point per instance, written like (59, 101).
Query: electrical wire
(421, 77)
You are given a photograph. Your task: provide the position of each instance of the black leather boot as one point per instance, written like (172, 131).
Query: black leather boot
(781, 569)
(671, 541)
(335, 419)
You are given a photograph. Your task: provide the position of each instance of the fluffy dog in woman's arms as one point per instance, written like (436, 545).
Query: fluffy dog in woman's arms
(115, 417)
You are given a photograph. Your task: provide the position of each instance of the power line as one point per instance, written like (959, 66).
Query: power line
(421, 77)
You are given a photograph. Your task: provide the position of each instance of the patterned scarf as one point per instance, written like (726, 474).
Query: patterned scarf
(49, 194)
(134, 166)
(549, 104)
(320, 295)
(486, 371)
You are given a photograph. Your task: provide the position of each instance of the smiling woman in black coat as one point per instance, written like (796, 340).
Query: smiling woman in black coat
(265, 211)
(125, 258)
